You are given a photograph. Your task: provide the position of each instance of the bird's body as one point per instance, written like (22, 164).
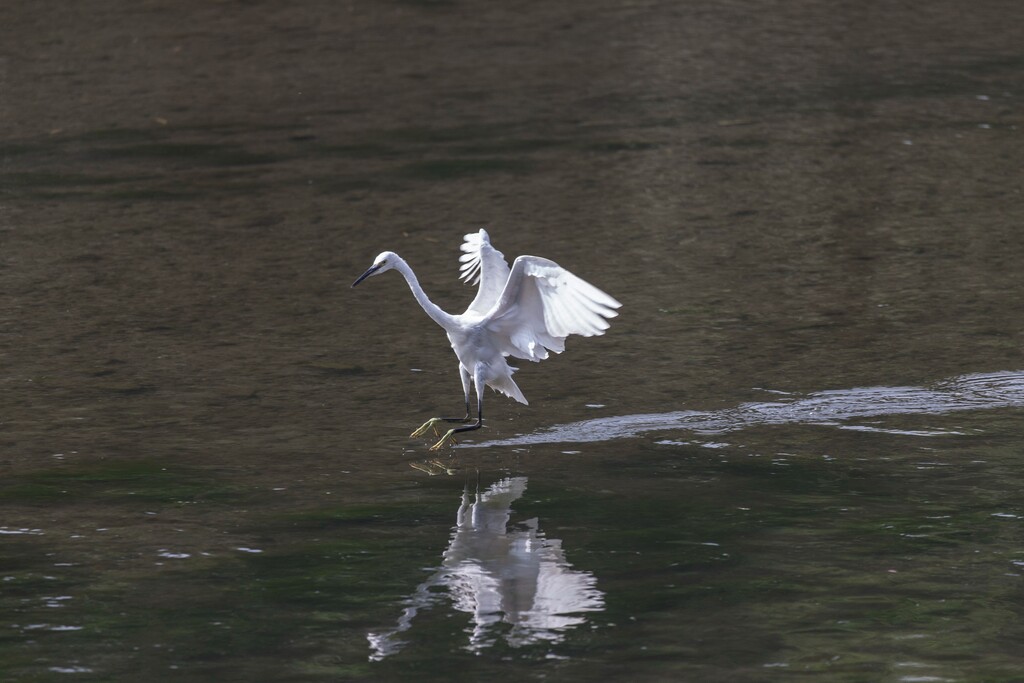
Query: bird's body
(524, 311)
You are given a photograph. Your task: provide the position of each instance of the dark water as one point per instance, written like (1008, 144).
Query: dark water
(797, 454)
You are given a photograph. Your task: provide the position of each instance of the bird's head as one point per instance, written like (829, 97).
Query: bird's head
(385, 261)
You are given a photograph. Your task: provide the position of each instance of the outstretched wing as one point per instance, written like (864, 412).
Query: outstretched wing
(542, 304)
(484, 264)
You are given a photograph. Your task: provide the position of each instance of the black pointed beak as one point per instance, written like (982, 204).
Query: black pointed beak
(373, 269)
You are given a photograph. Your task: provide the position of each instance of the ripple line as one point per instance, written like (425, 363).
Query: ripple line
(982, 391)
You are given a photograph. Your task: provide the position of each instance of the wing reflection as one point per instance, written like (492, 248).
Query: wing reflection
(500, 576)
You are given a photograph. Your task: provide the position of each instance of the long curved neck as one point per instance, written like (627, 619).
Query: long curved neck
(433, 310)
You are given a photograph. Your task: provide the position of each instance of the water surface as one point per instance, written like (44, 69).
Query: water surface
(795, 455)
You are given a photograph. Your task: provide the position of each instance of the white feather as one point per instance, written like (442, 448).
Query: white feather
(542, 304)
(483, 264)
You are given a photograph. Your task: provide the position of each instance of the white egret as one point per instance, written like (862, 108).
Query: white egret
(524, 312)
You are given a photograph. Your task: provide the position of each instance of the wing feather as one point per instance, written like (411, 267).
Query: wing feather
(483, 264)
(542, 304)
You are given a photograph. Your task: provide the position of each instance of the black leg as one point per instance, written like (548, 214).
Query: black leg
(450, 434)
(459, 419)
(431, 424)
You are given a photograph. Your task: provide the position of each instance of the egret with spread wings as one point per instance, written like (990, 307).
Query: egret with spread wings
(524, 312)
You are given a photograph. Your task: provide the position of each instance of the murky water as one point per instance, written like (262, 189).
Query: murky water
(797, 454)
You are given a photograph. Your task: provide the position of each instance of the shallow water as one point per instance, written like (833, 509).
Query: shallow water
(796, 453)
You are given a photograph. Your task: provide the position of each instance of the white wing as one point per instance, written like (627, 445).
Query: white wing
(542, 304)
(484, 264)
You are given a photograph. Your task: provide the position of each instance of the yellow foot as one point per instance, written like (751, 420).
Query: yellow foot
(449, 437)
(429, 424)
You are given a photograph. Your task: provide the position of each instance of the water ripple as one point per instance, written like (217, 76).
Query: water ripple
(967, 392)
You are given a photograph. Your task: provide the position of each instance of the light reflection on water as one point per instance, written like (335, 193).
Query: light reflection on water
(967, 392)
(500, 576)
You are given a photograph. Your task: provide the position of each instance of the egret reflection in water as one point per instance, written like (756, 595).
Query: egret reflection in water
(500, 576)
